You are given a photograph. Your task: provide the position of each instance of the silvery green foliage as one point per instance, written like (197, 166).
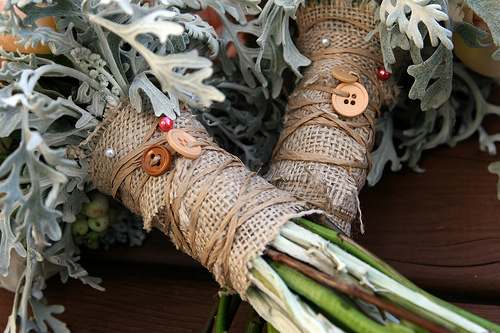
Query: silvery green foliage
(488, 11)
(166, 68)
(408, 14)
(406, 24)
(455, 120)
(237, 9)
(246, 124)
(125, 229)
(276, 42)
(50, 105)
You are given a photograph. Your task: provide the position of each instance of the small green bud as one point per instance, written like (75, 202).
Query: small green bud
(98, 205)
(93, 244)
(99, 223)
(80, 226)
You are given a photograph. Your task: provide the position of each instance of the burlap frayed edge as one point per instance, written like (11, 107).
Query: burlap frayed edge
(90, 142)
(284, 218)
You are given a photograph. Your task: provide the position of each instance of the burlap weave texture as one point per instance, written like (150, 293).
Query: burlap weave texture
(322, 157)
(212, 207)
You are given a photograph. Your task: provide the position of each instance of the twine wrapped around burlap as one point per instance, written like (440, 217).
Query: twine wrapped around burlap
(322, 157)
(212, 207)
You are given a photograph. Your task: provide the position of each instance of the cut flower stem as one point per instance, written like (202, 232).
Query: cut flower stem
(366, 256)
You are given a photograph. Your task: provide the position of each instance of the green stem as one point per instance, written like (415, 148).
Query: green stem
(234, 304)
(220, 323)
(209, 323)
(332, 304)
(254, 322)
(358, 251)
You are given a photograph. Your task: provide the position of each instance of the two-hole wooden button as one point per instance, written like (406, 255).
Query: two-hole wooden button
(156, 160)
(344, 74)
(180, 140)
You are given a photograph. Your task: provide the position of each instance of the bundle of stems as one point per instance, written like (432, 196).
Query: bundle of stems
(314, 279)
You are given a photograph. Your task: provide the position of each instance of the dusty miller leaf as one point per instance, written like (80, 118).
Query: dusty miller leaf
(471, 35)
(236, 8)
(408, 14)
(166, 68)
(488, 10)
(275, 36)
(201, 31)
(162, 104)
(44, 319)
(385, 151)
(64, 253)
(437, 93)
(247, 56)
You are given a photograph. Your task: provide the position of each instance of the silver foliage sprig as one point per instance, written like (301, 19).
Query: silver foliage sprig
(455, 120)
(51, 105)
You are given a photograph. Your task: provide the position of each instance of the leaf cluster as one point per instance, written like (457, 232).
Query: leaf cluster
(405, 132)
(420, 26)
(102, 52)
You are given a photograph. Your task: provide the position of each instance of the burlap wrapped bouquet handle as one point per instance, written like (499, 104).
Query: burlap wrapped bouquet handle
(212, 207)
(322, 156)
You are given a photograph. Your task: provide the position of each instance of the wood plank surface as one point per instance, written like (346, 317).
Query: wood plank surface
(440, 228)
(154, 288)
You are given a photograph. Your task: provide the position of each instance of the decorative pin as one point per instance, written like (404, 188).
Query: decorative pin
(325, 42)
(166, 124)
(109, 152)
(383, 74)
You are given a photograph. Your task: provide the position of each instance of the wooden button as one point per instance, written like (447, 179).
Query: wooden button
(344, 74)
(179, 140)
(355, 103)
(156, 160)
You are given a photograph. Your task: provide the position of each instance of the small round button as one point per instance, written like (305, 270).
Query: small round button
(156, 160)
(179, 140)
(344, 74)
(355, 103)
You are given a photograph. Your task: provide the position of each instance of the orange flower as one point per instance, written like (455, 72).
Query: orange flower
(8, 41)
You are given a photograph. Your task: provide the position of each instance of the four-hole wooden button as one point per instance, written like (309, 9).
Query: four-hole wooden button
(180, 140)
(156, 160)
(355, 103)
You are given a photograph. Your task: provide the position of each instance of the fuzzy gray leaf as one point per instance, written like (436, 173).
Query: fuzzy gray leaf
(438, 92)
(44, 319)
(488, 10)
(384, 153)
(275, 19)
(162, 104)
(471, 35)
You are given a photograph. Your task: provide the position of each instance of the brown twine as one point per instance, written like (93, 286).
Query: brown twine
(212, 207)
(123, 169)
(327, 119)
(310, 118)
(334, 18)
(220, 244)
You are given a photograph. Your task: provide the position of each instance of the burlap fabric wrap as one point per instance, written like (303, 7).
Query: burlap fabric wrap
(322, 157)
(212, 207)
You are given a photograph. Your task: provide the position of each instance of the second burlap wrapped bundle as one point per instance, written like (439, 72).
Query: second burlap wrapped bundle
(212, 206)
(322, 156)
